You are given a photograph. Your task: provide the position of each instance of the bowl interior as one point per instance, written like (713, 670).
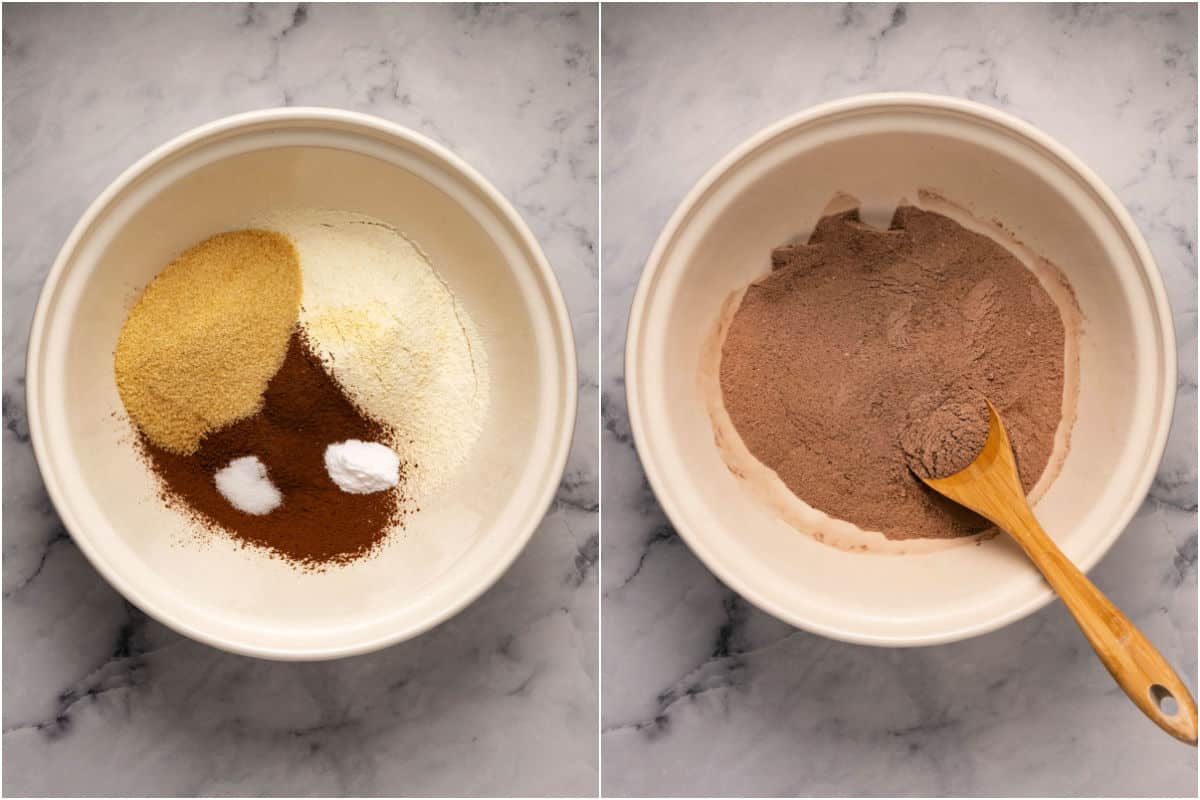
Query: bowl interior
(775, 192)
(463, 536)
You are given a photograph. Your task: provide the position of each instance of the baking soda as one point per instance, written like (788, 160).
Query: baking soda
(362, 467)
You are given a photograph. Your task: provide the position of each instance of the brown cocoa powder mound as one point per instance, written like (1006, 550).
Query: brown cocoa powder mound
(304, 411)
(859, 333)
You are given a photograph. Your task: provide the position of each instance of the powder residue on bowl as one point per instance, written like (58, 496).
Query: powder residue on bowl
(860, 331)
(394, 335)
(212, 368)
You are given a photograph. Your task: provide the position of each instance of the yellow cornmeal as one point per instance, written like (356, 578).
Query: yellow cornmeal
(208, 333)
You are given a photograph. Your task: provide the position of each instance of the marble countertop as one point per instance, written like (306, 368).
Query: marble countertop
(704, 694)
(98, 699)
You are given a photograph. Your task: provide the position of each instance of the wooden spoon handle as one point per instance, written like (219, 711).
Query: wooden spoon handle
(1139, 668)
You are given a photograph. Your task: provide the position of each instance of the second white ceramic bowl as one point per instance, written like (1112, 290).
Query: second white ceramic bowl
(885, 146)
(219, 177)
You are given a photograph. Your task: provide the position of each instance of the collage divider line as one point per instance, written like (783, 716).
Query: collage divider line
(599, 398)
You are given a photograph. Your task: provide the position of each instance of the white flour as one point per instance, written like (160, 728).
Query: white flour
(394, 336)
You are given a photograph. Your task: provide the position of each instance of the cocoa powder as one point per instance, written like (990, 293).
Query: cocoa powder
(860, 333)
(304, 410)
(949, 438)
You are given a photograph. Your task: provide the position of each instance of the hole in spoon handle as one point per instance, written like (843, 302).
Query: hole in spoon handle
(1173, 712)
(1164, 700)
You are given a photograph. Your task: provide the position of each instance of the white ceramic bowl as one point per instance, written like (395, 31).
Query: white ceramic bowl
(218, 177)
(881, 146)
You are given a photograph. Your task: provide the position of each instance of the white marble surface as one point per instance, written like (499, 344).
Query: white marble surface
(99, 700)
(702, 693)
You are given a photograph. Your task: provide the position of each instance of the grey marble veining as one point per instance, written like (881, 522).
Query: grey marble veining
(99, 700)
(704, 694)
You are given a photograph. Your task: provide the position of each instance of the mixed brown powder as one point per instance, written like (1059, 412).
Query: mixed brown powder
(948, 439)
(860, 332)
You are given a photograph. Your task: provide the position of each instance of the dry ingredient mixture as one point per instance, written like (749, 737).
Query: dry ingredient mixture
(277, 378)
(861, 333)
(949, 439)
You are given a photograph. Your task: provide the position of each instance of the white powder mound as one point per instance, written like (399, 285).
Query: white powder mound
(245, 484)
(394, 336)
(362, 467)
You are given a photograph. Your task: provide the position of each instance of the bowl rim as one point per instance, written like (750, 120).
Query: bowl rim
(317, 116)
(883, 102)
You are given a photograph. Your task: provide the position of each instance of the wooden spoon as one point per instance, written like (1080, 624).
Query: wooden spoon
(989, 486)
